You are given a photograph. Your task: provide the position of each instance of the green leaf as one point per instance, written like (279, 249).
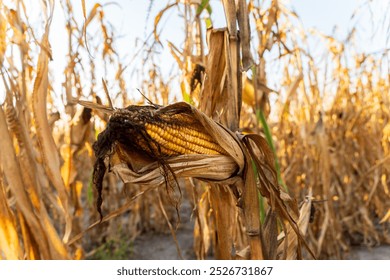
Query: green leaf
(261, 198)
(260, 116)
(204, 5)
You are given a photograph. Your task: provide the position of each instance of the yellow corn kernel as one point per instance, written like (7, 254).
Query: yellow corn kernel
(174, 140)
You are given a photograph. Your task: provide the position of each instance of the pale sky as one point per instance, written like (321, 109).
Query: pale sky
(130, 17)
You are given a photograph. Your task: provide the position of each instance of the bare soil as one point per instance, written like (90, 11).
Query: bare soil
(158, 246)
(377, 253)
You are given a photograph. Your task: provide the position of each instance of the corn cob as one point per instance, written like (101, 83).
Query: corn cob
(175, 140)
(159, 133)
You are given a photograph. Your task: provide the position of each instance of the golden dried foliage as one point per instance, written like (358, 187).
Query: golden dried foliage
(329, 121)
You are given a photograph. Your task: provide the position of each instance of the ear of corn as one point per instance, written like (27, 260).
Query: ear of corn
(176, 140)
(159, 132)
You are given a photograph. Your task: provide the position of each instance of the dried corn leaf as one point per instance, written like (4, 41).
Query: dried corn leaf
(386, 217)
(292, 242)
(95, 106)
(9, 239)
(13, 174)
(48, 149)
(158, 18)
(96, 8)
(3, 43)
(222, 86)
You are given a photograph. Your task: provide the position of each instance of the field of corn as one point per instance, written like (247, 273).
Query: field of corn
(280, 150)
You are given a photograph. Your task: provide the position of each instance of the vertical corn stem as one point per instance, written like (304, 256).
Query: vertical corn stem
(231, 18)
(251, 205)
(245, 34)
(251, 211)
(234, 87)
(221, 204)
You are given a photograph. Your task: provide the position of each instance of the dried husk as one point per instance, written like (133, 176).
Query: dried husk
(133, 167)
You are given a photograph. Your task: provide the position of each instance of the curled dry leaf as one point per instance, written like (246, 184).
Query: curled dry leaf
(158, 18)
(291, 243)
(48, 148)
